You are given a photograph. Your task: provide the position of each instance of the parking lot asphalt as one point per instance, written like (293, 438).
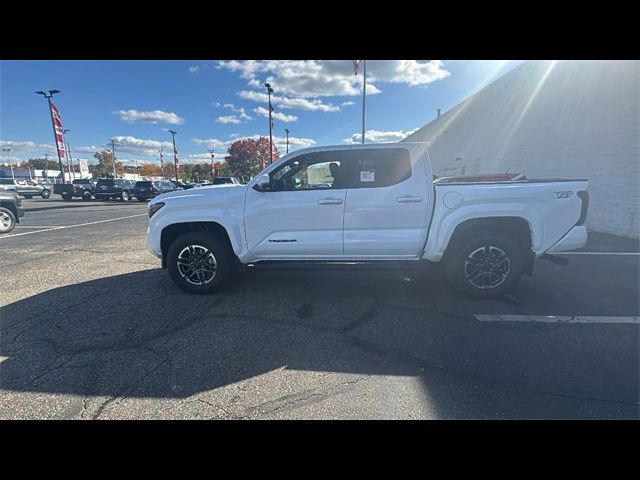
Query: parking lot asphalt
(91, 327)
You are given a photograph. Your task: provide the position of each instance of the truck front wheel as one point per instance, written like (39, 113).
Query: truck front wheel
(200, 262)
(7, 220)
(484, 265)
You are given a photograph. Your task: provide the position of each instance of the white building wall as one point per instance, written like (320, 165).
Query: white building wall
(575, 119)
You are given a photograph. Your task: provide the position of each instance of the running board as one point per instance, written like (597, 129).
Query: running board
(555, 259)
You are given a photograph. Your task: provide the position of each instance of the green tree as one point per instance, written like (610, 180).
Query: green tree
(245, 157)
(43, 164)
(105, 165)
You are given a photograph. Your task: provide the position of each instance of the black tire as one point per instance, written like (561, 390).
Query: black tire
(46, 193)
(7, 220)
(86, 196)
(501, 264)
(125, 196)
(66, 197)
(218, 247)
(29, 197)
(142, 199)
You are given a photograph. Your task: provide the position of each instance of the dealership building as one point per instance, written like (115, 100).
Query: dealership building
(563, 119)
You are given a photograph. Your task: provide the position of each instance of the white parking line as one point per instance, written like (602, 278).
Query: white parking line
(597, 253)
(73, 226)
(557, 319)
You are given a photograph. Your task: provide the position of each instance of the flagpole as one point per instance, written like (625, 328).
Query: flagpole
(364, 97)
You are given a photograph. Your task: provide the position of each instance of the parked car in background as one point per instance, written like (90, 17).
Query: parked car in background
(27, 189)
(183, 186)
(114, 188)
(146, 189)
(78, 188)
(10, 210)
(225, 180)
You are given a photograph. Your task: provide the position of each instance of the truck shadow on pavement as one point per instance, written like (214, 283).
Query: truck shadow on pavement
(137, 335)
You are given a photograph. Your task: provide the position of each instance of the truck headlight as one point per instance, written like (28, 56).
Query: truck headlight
(154, 207)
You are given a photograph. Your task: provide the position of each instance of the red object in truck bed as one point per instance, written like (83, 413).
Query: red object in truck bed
(487, 177)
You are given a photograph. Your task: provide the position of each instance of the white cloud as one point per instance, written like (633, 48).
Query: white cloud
(24, 146)
(227, 119)
(194, 68)
(241, 114)
(211, 142)
(203, 157)
(287, 102)
(347, 104)
(140, 146)
(280, 142)
(277, 115)
(379, 136)
(318, 78)
(155, 116)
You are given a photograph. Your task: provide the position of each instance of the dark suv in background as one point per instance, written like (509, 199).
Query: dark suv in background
(146, 189)
(112, 188)
(226, 180)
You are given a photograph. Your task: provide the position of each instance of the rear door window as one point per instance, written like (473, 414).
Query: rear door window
(373, 168)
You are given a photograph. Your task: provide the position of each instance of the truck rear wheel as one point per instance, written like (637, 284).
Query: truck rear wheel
(485, 264)
(200, 262)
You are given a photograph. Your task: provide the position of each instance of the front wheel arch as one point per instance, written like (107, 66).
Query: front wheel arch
(171, 232)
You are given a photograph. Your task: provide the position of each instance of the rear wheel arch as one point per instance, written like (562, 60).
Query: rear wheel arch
(516, 229)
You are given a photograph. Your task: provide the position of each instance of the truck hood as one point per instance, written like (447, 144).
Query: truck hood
(202, 194)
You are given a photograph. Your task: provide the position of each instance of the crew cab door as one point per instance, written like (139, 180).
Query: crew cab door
(388, 203)
(300, 214)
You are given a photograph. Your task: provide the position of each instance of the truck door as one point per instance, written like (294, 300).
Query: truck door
(301, 213)
(387, 203)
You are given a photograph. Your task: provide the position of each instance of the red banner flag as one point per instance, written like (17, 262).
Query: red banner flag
(57, 124)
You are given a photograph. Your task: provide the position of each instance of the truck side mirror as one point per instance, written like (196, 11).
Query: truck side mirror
(263, 184)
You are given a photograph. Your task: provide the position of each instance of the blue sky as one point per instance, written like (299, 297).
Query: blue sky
(211, 103)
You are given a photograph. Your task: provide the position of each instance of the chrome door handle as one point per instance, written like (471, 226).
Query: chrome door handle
(408, 199)
(329, 201)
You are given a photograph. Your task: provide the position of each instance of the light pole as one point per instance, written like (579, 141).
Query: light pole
(287, 130)
(48, 95)
(10, 163)
(175, 151)
(213, 165)
(269, 92)
(113, 156)
(69, 159)
(161, 164)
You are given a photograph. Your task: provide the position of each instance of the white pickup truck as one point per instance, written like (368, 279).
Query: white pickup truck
(367, 203)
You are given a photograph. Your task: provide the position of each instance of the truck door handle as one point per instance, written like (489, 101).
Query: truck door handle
(408, 198)
(329, 201)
